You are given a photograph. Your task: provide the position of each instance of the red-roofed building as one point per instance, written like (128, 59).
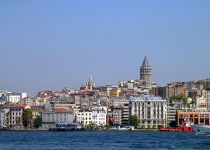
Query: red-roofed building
(58, 115)
(15, 114)
(37, 112)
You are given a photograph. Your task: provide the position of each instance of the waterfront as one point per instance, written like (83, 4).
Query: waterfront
(113, 140)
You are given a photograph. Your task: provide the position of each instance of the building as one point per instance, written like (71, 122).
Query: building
(150, 110)
(171, 114)
(99, 117)
(117, 115)
(118, 112)
(15, 114)
(84, 117)
(50, 117)
(105, 90)
(12, 97)
(200, 103)
(193, 117)
(2, 95)
(146, 71)
(208, 98)
(4, 117)
(115, 92)
(125, 114)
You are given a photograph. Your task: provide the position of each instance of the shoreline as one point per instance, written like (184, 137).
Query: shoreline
(47, 130)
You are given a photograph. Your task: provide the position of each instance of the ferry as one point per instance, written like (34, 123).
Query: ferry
(201, 129)
(66, 126)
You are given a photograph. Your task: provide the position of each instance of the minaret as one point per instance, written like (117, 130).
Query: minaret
(146, 71)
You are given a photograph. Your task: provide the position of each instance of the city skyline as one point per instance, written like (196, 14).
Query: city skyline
(51, 45)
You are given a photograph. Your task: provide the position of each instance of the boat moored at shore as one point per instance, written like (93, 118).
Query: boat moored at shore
(201, 129)
(66, 126)
(186, 127)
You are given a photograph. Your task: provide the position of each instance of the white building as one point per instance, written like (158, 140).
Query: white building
(23, 95)
(58, 115)
(200, 102)
(12, 97)
(117, 102)
(3, 93)
(150, 110)
(84, 117)
(99, 117)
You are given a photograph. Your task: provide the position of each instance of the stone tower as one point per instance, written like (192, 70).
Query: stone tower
(146, 71)
(90, 84)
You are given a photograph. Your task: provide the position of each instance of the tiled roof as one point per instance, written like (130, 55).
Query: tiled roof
(18, 105)
(61, 110)
(39, 110)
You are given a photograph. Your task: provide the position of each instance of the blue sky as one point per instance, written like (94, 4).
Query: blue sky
(51, 44)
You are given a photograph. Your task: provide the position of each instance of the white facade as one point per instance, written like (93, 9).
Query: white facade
(200, 102)
(100, 107)
(151, 111)
(84, 117)
(23, 95)
(2, 115)
(117, 102)
(58, 115)
(52, 117)
(13, 97)
(99, 117)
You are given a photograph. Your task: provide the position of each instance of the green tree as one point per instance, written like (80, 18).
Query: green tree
(37, 121)
(106, 127)
(173, 124)
(134, 121)
(18, 120)
(180, 97)
(27, 115)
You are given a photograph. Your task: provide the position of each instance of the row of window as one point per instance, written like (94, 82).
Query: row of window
(90, 118)
(15, 109)
(85, 114)
(16, 113)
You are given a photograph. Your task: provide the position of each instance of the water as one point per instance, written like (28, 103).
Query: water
(105, 140)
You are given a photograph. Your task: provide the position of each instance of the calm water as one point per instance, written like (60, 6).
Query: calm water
(111, 140)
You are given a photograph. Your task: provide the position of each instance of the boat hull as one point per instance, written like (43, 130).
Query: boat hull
(66, 129)
(201, 129)
(183, 129)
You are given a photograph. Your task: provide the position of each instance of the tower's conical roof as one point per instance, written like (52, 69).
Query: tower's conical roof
(145, 62)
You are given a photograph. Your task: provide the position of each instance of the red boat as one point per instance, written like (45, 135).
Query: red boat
(185, 128)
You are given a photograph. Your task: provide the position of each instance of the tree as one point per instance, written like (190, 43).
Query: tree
(37, 121)
(18, 120)
(180, 97)
(27, 115)
(106, 127)
(173, 124)
(134, 121)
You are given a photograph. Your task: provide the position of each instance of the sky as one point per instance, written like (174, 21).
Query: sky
(52, 44)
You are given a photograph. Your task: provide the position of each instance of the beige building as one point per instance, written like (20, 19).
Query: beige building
(115, 92)
(84, 117)
(150, 110)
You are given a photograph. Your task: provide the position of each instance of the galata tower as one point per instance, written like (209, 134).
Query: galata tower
(146, 71)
